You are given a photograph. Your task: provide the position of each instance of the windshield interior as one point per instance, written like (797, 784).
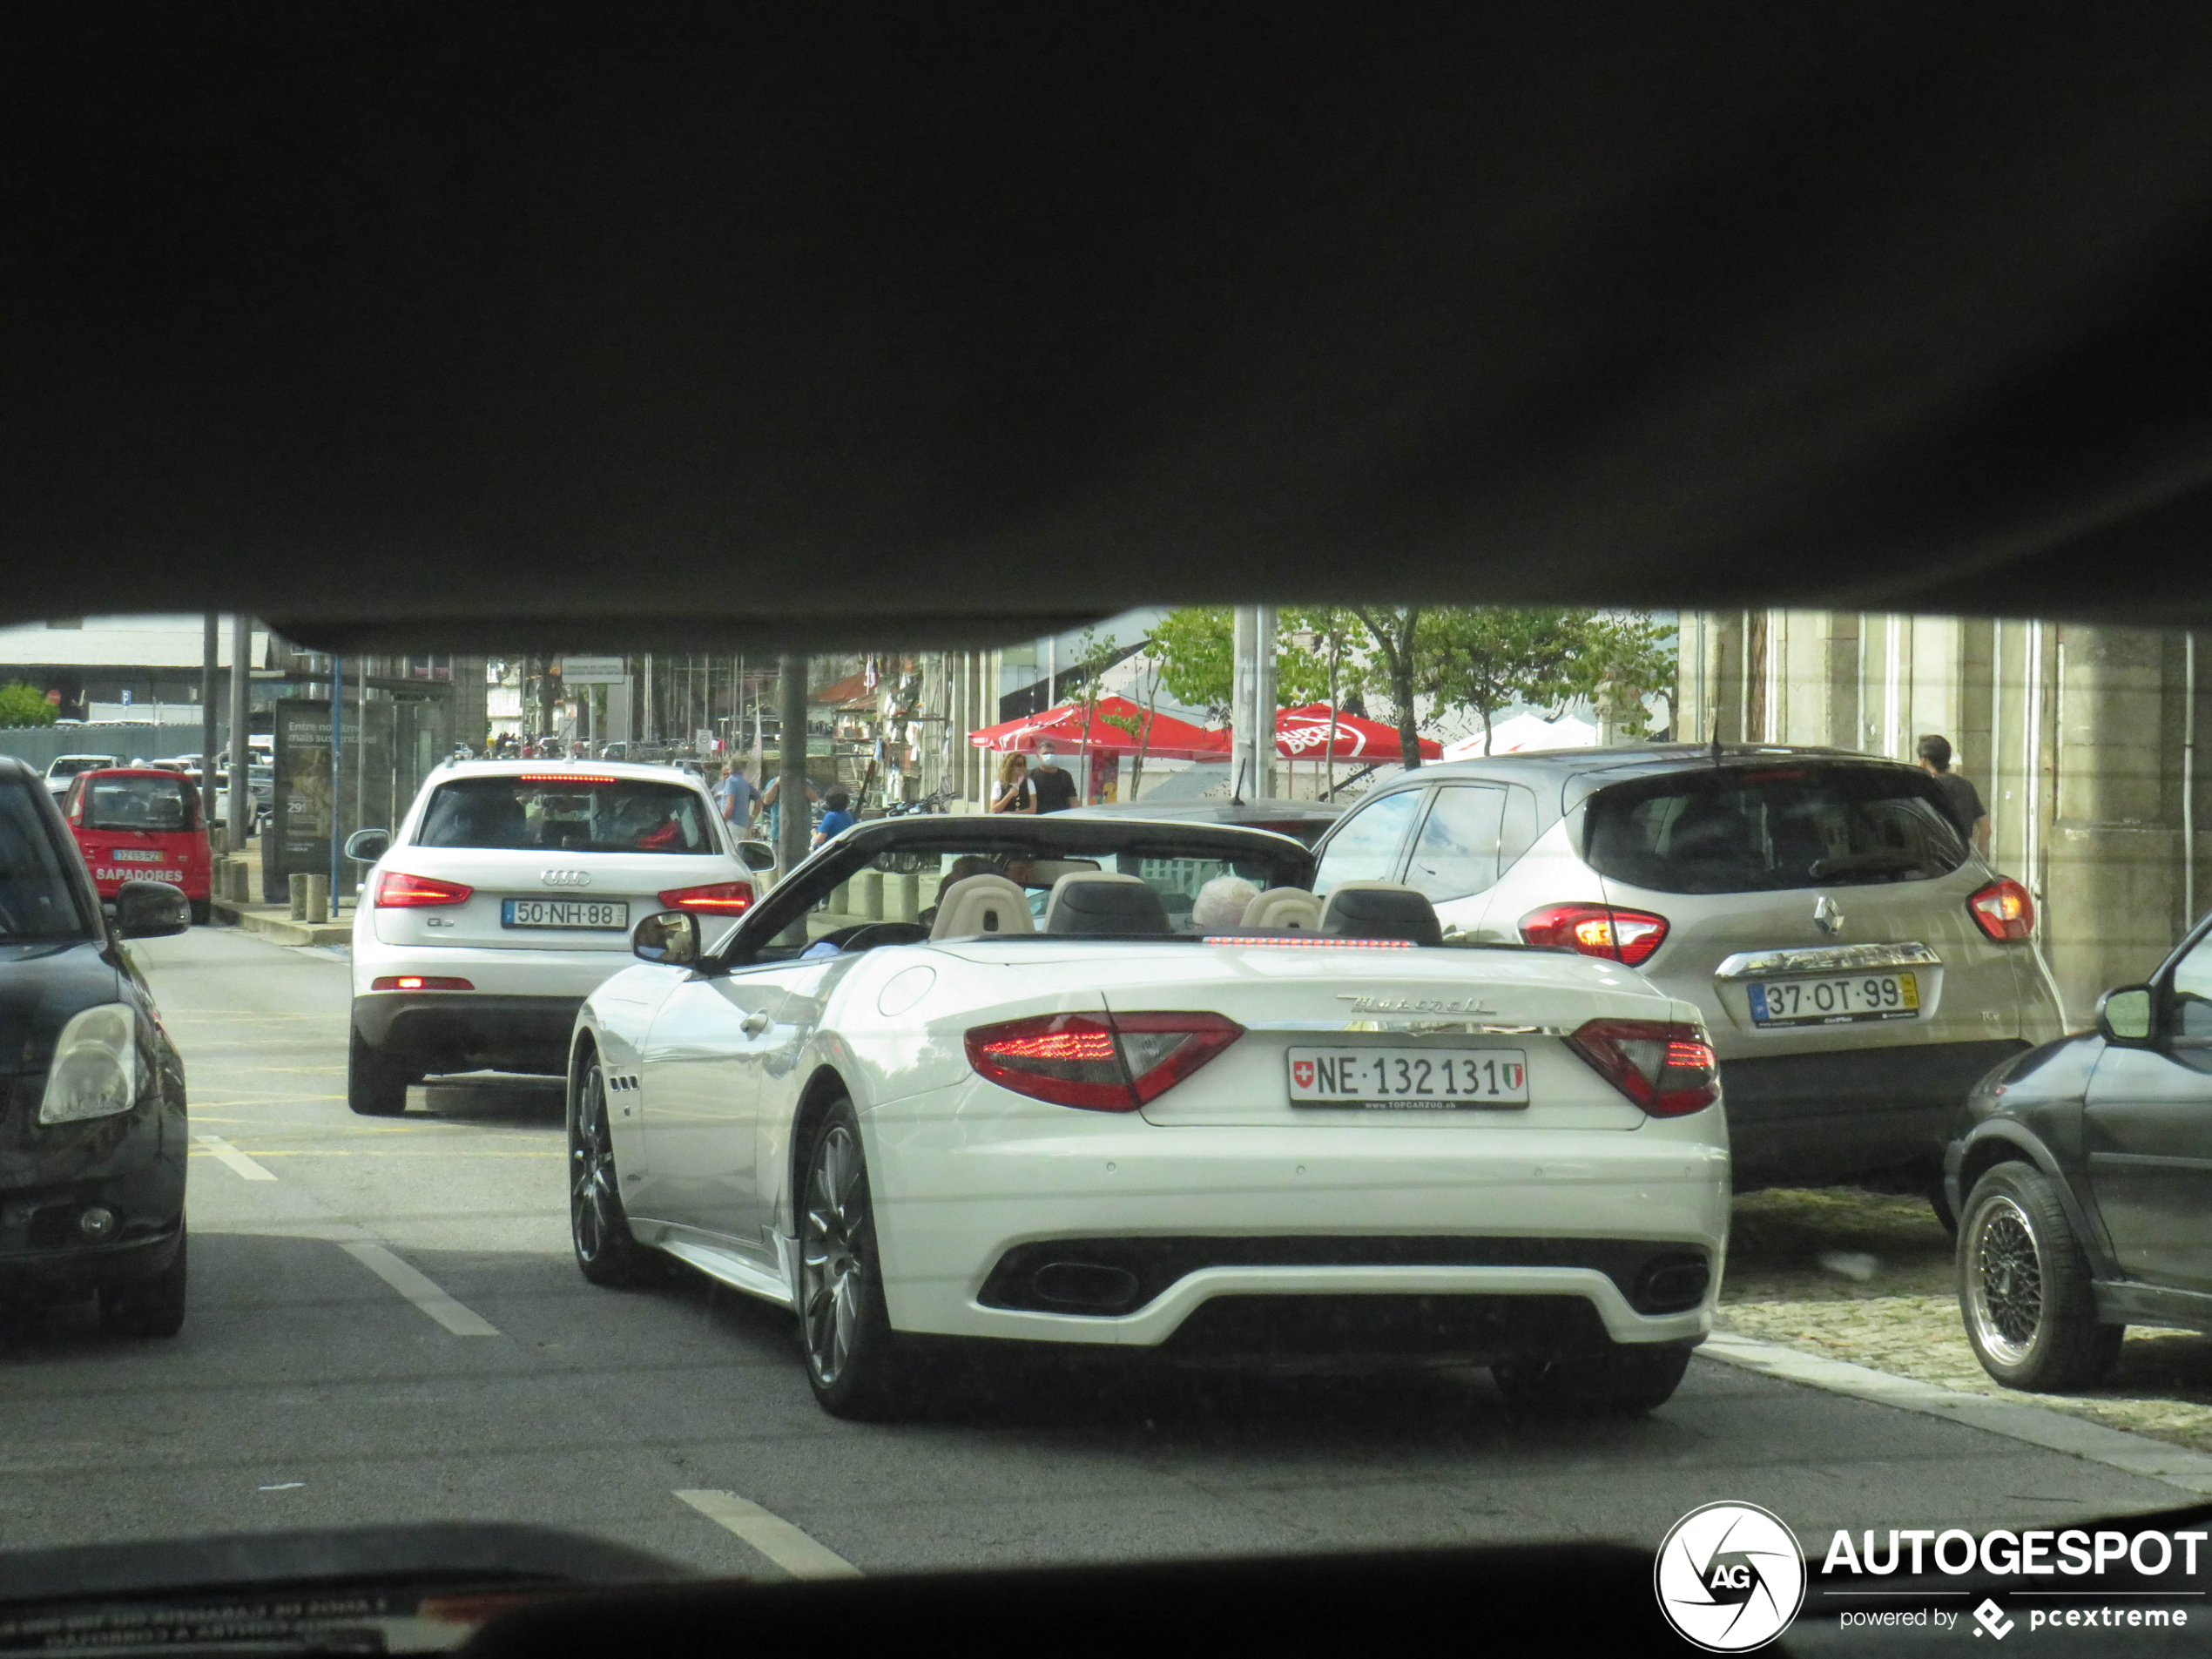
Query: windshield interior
(577, 815)
(1757, 830)
(36, 902)
(141, 803)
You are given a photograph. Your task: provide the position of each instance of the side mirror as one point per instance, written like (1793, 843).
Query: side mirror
(670, 938)
(367, 846)
(756, 855)
(2124, 1015)
(151, 910)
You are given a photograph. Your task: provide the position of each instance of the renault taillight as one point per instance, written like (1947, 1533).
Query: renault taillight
(718, 899)
(2003, 910)
(1604, 930)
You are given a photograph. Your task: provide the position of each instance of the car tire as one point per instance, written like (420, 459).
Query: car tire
(151, 1307)
(375, 1083)
(606, 1252)
(857, 1365)
(2025, 1290)
(203, 912)
(1625, 1380)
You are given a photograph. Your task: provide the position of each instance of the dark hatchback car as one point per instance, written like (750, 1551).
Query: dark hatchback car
(2082, 1178)
(93, 1127)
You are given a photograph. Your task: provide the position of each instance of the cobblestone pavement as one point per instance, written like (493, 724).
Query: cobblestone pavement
(1868, 1277)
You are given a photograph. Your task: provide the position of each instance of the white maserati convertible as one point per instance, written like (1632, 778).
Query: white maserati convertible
(1113, 1083)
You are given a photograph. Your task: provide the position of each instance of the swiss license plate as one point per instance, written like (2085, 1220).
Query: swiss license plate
(138, 855)
(1409, 1079)
(1845, 999)
(565, 913)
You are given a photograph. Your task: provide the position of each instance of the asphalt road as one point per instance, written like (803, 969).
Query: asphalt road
(386, 1326)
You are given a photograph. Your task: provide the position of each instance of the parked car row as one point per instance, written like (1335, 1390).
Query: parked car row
(1681, 971)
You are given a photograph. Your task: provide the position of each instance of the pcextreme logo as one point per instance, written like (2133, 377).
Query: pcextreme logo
(1730, 1577)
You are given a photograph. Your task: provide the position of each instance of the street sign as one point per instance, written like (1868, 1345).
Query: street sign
(126, 697)
(593, 671)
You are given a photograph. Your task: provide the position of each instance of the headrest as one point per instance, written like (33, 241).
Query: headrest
(1381, 910)
(981, 904)
(1095, 902)
(1292, 909)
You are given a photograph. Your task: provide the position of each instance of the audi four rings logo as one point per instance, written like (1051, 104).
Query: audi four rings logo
(1730, 1577)
(565, 877)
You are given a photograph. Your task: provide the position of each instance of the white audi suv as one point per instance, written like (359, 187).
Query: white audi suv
(506, 896)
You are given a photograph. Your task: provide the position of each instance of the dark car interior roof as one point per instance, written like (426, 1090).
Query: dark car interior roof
(417, 326)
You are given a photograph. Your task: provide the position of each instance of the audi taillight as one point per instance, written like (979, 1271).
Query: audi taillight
(1604, 930)
(396, 890)
(1101, 1062)
(1667, 1068)
(720, 899)
(2003, 910)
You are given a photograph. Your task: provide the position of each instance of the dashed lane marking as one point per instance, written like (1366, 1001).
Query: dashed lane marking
(420, 1290)
(224, 1153)
(774, 1537)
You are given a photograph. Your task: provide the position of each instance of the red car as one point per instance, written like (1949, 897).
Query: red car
(140, 824)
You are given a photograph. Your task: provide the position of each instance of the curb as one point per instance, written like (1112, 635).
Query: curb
(2054, 1431)
(272, 923)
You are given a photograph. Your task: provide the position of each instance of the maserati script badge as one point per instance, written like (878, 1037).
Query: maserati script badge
(1415, 1004)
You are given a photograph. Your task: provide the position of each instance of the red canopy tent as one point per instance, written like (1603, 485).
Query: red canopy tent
(1161, 735)
(1302, 734)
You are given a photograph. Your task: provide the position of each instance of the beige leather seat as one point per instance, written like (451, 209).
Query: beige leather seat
(981, 904)
(1291, 909)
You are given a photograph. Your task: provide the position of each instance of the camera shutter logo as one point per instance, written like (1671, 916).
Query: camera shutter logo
(1730, 1577)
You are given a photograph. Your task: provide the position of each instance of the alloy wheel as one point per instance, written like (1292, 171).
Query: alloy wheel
(591, 1170)
(2005, 1288)
(832, 1270)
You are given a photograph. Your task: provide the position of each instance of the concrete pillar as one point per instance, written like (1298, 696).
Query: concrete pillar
(902, 897)
(318, 897)
(2113, 886)
(298, 884)
(867, 893)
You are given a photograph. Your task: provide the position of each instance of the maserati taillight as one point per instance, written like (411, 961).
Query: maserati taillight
(1604, 930)
(720, 899)
(1667, 1068)
(1100, 1062)
(2003, 910)
(396, 890)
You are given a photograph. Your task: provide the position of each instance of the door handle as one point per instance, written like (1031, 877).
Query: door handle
(755, 1024)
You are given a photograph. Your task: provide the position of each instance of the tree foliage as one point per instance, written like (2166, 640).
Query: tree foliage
(22, 705)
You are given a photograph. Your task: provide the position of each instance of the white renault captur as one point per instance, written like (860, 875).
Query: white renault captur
(503, 900)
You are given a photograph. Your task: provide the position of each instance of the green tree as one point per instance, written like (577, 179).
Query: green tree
(22, 705)
(1400, 639)
(1632, 657)
(1195, 651)
(1486, 658)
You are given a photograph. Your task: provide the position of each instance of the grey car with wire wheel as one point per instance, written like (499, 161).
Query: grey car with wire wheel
(2082, 1178)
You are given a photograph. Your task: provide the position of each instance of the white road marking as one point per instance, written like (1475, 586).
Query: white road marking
(770, 1533)
(2016, 1419)
(420, 1290)
(224, 1153)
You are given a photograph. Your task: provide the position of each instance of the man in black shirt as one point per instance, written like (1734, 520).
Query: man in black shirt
(1054, 789)
(1965, 801)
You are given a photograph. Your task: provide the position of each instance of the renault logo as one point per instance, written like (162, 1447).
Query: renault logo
(565, 877)
(1827, 916)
